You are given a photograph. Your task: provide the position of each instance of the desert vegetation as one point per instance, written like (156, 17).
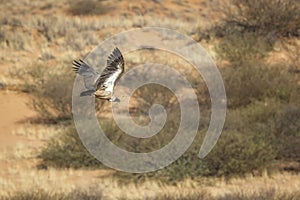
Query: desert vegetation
(254, 44)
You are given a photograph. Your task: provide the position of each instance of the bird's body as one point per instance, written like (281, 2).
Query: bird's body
(101, 85)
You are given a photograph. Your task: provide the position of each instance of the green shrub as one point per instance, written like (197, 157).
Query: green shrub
(250, 28)
(238, 153)
(267, 18)
(277, 121)
(50, 89)
(275, 17)
(287, 133)
(234, 154)
(187, 166)
(239, 48)
(244, 147)
(250, 82)
(67, 151)
(88, 7)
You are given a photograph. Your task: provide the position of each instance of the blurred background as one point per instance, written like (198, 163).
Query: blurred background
(256, 46)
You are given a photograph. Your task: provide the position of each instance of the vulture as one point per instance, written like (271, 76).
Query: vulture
(101, 85)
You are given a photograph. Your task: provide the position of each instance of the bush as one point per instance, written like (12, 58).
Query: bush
(235, 154)
(67, 151)
(287, 134)
(277, 121)
(250, 82)
(238, 153)
(268, 18)
(88, 7)
(275, 17)
(250, 29)
(244, 147)
(239, 48)
(50, 89)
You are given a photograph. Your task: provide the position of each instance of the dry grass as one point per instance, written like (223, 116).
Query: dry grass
(66, 181)
(33, 137)
(38, 132)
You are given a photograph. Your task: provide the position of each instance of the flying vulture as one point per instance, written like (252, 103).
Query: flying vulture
(101, 84)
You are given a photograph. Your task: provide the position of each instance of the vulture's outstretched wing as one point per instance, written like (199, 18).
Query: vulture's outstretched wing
(90, 76)
(113, 70)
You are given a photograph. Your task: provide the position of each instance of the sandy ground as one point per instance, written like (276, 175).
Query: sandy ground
(18, 150)
(14, 113)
